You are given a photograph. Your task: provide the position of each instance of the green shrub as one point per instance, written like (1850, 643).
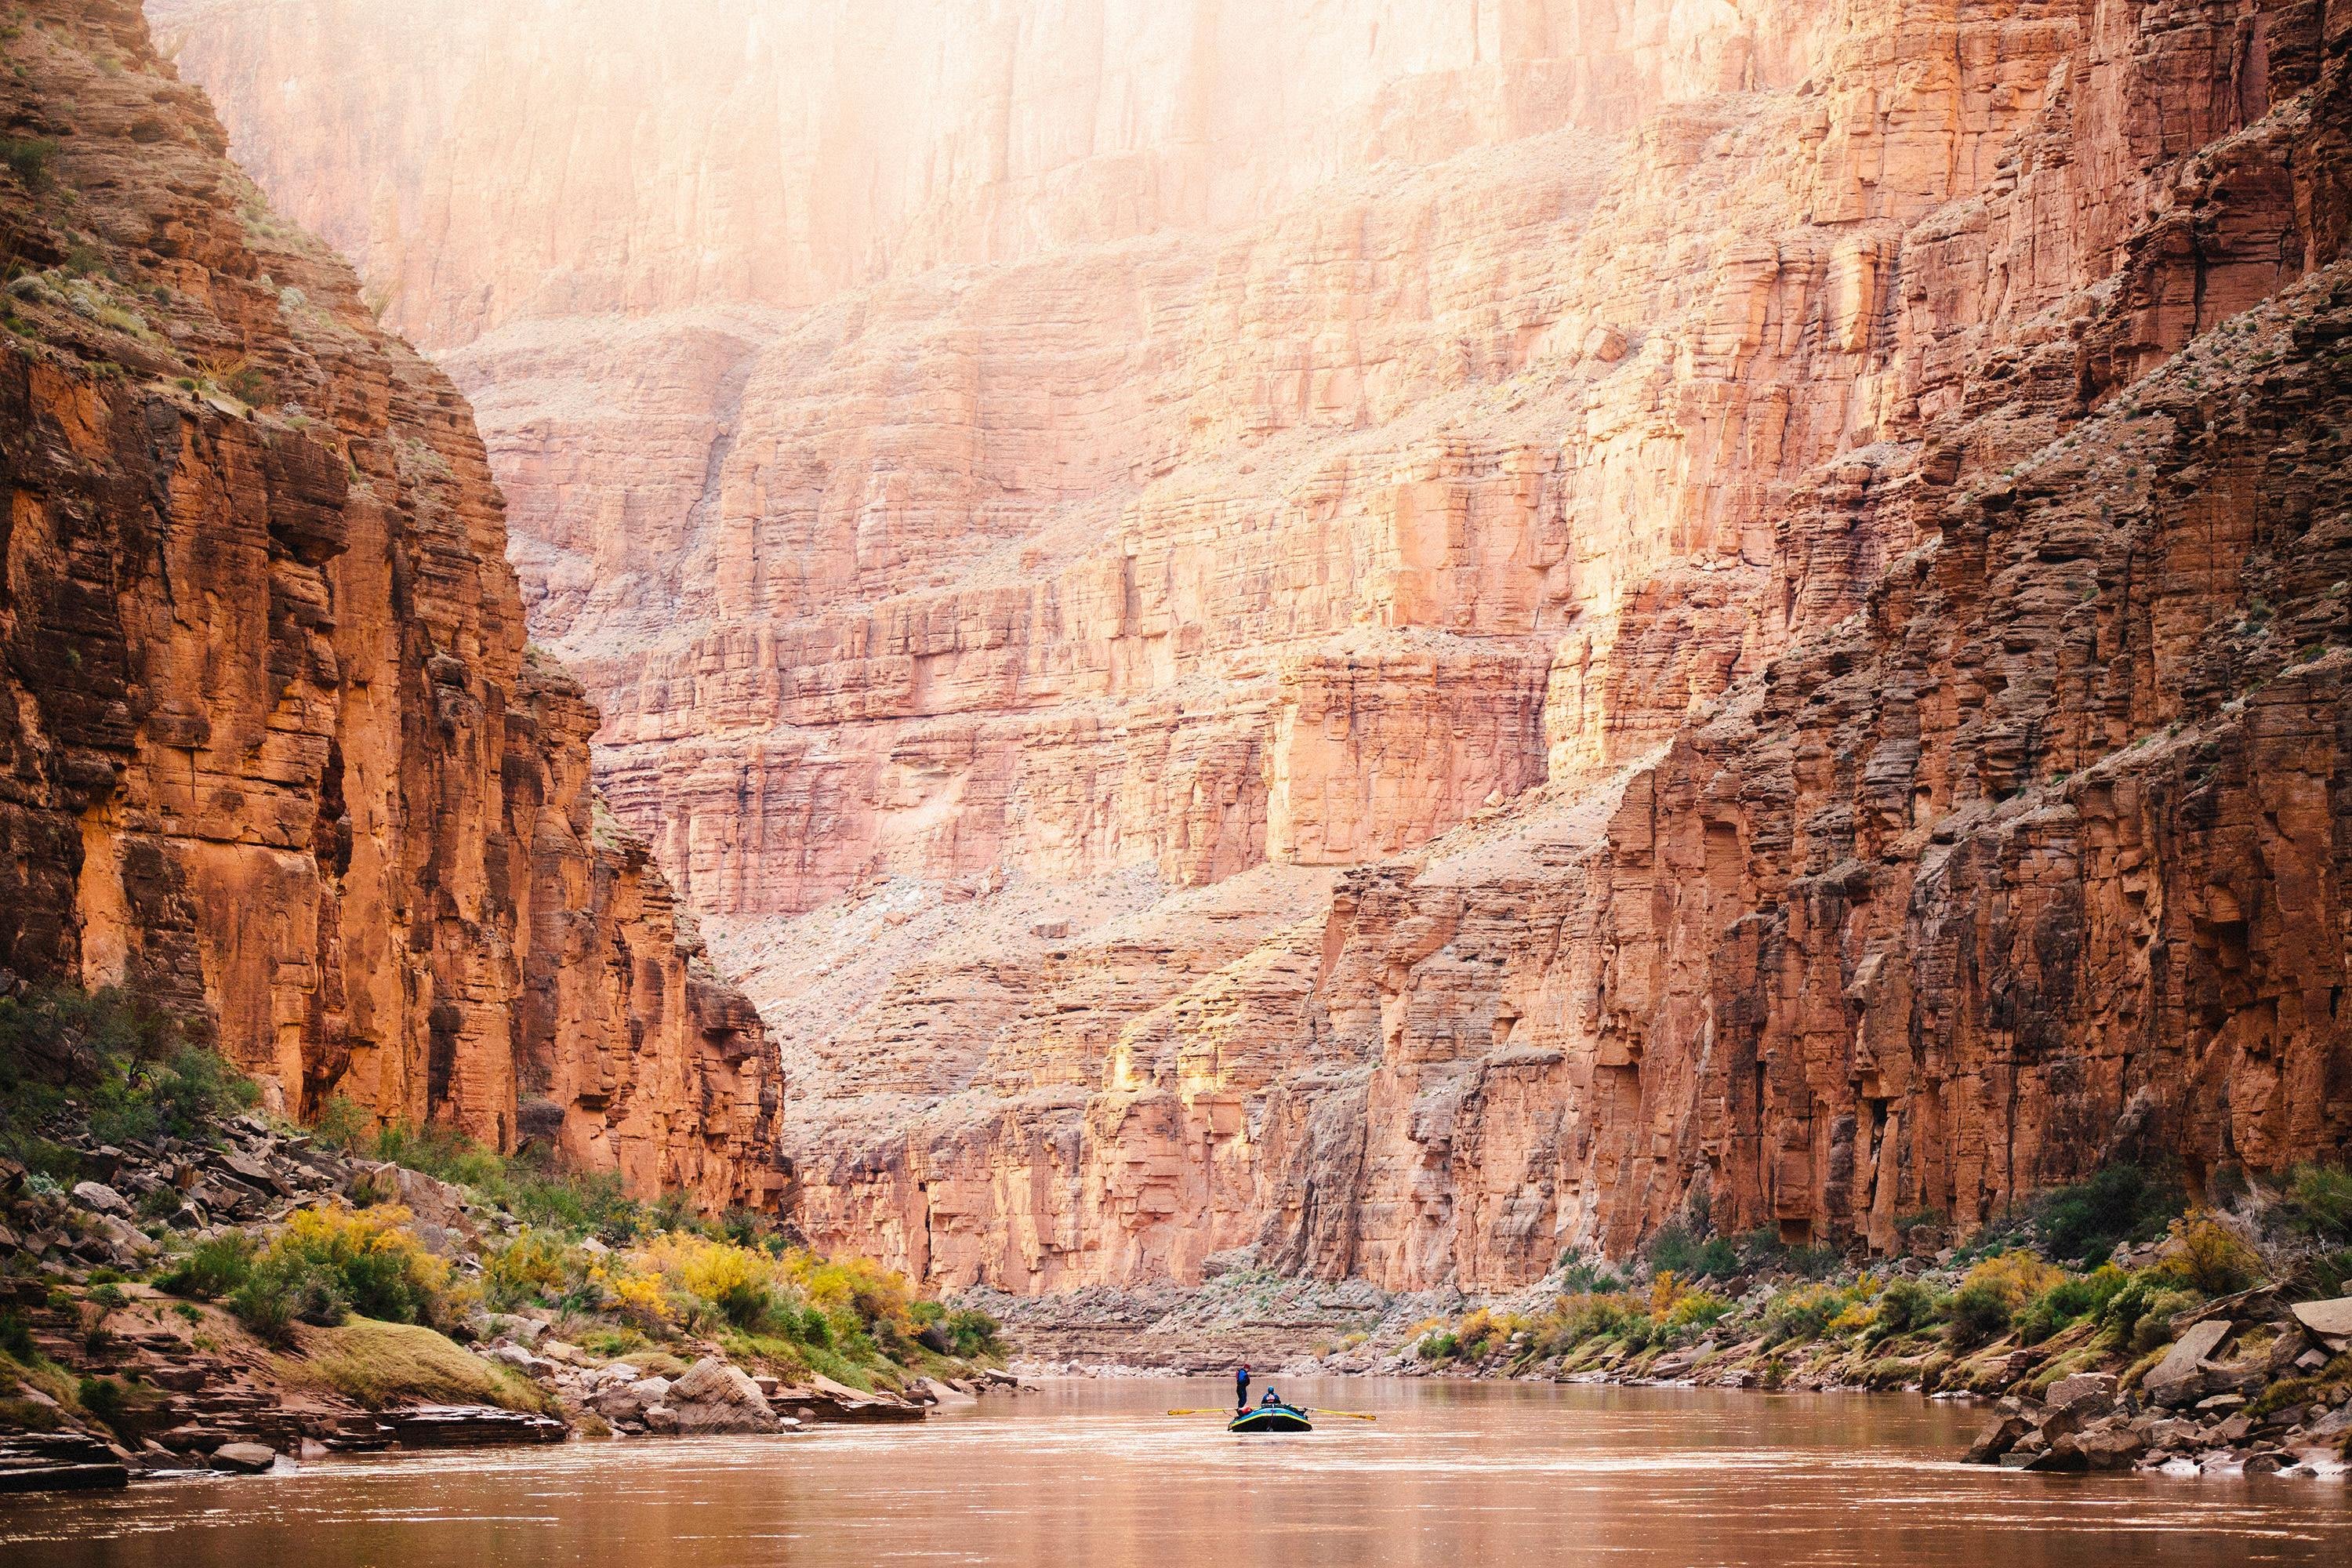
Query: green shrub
(2205, 1255)
(212, 1269)
(2086, 1221)
(443, 1155)
(1697, 1309)
(1801, 1313)
(1904, 1307)
(2068, 1302)
(1584, 1276)
(1762, 1248)
(133, 1072)
(1479, 1335)
(973, 1333)
(570, 1205)
(2318, 1201)
(31, 158)
(2155, 1326)
(329, 1263)
(2140, 1314)
(1675, 1249)
(340, 1124)
(2041, 1318)
(1975, 1314)
(747, 1305)
(279, 1294)
(103, 1399)
(532, 1267)
(16, 1337)
(1576, 1318)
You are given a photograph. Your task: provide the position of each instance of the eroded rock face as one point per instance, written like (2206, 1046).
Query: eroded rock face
(273, 753)
(1747, 618)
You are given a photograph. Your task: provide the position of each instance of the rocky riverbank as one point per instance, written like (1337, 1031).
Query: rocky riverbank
(2110, 1327)
(184, 1284)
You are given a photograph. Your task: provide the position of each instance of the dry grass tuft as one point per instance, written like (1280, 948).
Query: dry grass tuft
(383, 1364)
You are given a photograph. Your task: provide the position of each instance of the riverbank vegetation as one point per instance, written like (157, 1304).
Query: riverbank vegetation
(2104, 1277)
(167, 1254)
(2119, 1256)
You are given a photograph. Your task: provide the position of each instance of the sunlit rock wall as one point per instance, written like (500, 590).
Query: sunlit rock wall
(1406, 642)
(274, 755)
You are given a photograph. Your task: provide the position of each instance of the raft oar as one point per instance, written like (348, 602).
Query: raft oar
(1312, 1410)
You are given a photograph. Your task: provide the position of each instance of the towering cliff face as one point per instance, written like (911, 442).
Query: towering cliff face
(487, 162)
(274, 753)
(1673, 604)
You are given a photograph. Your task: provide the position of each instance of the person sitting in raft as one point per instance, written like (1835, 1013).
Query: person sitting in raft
(1271, 1399)
(1241, 1387)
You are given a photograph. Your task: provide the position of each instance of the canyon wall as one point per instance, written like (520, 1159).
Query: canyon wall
(1396, 649)
(276, 755)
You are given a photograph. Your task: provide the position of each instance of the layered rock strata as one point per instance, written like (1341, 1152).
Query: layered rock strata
(1754, 634)
(274, 754)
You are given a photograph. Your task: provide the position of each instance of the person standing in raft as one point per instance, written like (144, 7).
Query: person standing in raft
(1241, 1388)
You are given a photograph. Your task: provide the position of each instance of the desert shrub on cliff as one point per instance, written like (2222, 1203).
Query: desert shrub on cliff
(2122, 1203)
(532, 1268)
(2204, 1255)
(1992, 1292)
(1802, 1313)
(569, 1204)
(1904, 1307)
(30, 158)
(2317, 1201)
(1584, 1276)
(2067, 1302)
(215, 1267)
(965, 1332)
(1675, 1249)
(329, 1263)
(131, 1070)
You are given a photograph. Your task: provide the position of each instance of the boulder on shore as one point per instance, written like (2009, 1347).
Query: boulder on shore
(715, 1396)
(2179, 1377)
(2330, 1321)
(244, 1459)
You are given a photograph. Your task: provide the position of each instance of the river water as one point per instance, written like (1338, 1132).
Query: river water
(1453, 1474)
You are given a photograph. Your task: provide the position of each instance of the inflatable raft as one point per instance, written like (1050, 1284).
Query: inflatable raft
(1271, 1418)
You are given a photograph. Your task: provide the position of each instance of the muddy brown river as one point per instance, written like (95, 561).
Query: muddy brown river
(1091, 1473)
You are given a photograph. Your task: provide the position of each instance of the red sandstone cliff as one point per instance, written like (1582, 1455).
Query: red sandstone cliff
(274, 753)
(1737, 603)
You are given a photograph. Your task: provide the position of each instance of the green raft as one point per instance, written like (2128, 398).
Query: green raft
(1271, 1418)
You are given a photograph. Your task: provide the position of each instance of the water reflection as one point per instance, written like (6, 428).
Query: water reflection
(1453, 1474)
